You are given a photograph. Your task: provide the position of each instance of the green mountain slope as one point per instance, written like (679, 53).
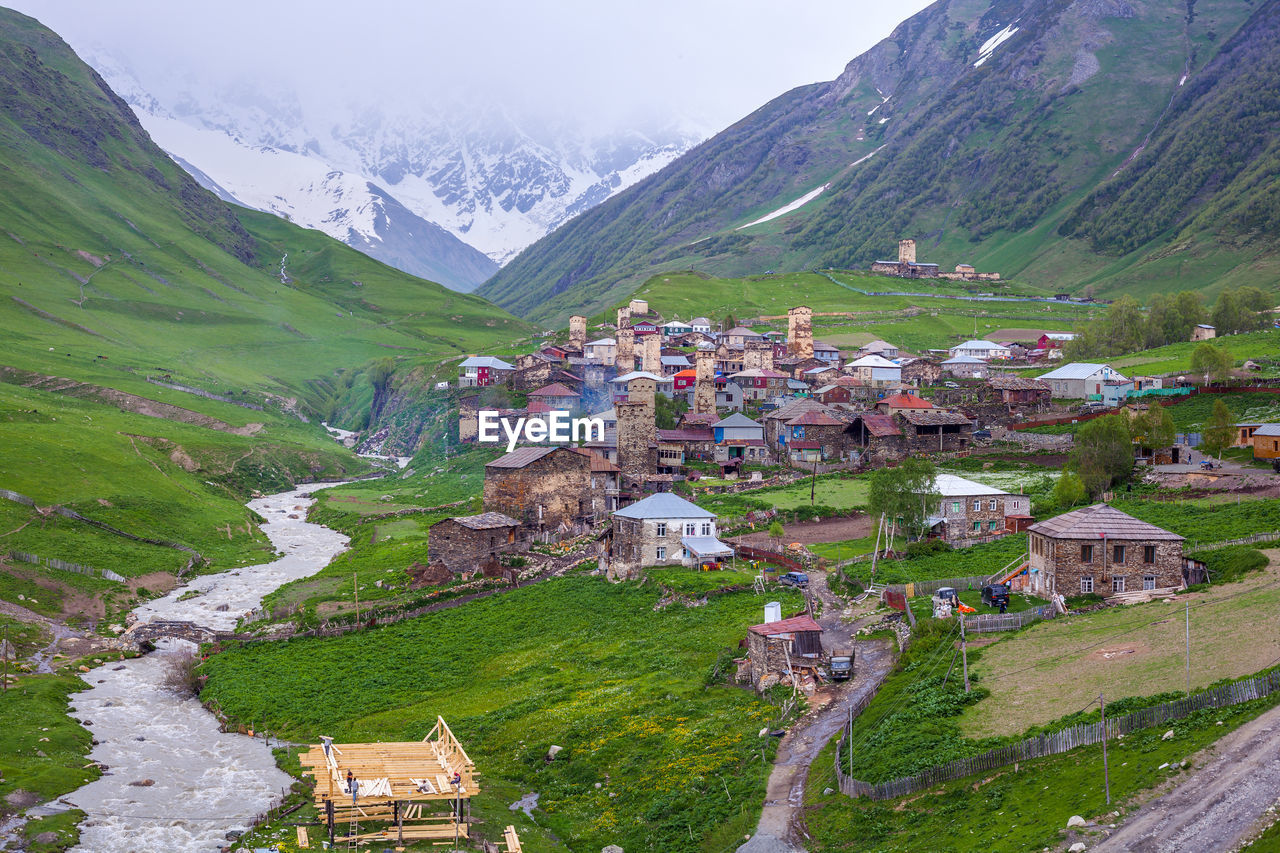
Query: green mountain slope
(982, 163)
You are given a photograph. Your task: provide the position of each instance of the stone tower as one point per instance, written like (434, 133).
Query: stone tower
(577, 332)
(626, 356)
(800, 331)
(624, 317)
(757, 355)
(906, 251)
(643, 391)
(637, 455)
(651, 354)
(704, 385)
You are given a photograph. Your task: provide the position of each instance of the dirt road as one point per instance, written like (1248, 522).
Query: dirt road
(1215, 807)
(780, 829)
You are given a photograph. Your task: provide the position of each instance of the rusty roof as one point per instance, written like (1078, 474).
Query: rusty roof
(555, 389)
(786, 626)
(879, 425)
(484, 521)
(934, 418)
(1017, 383)
(815, 419)
(1099, 521)
(685, 434)
(598, 463)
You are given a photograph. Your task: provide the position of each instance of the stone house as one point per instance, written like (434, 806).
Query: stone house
(462, 544)
(556, 397)
(546, 488)
(970, 512)
(760, 384)
(479, 371)
(935, 431)
(884, 349)
(738, 336)
(817, 436)
(875, 370)
(920, 371)
(818, 376)
(1099, 549)
(832, 394)
(978, 348)
(775, 421)
(895, 403)
(664, 529)
(533, 370)
(777, 649)
(798, 367)
(1021, 392)
(876, 437)
(966, 367)
(675, 446)
(1203, 332)
(601, 351)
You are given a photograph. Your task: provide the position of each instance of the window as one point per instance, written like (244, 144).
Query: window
(684, 553)
(691, 530)
(662, 528)
(955, 507)
(1117, 553)
(1086, 553)
(977, 526)
(1086, 584)
(1148, 553)
(1148, 581)
(1117, 584)
(992, 524)
(662, 552)
(991, 504)
(706, 528)
(977, 506)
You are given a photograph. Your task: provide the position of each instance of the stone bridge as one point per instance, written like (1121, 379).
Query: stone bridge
(170, 629)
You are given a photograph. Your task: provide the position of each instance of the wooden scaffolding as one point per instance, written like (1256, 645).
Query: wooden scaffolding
(414, 791)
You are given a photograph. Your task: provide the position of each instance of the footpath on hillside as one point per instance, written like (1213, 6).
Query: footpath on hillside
(781, 825)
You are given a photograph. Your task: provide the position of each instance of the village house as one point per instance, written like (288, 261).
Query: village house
(682, 381)
(1266, 441)
(815, 437)
(547, 488)
(463, 544)
(778, 649)
(644, 327)
(829, 394)
(876, 438)
(534, 370)
(701, 324)
(815, 376)
(737, 426)
(875, 371)
(985, 350)
(1098, 549)
(826, 352)
(934, 431)
(905, 266)
(1021, 392)
(884, 349)
(621, 385)
(1203, 332)
(971, 512)
(1079, 379)
(555, 397)
(676, 446)
(775, 421)
(895, 403)
(479, 371)
(761, 384)
(729, 395)
(662, 530)
(1054, 340)
(738, 336)
(601, 351)
(966, 367)
(675, 329)
(920, 371)
(673, 364)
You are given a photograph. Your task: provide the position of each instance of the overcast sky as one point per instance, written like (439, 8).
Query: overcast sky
(712, 61)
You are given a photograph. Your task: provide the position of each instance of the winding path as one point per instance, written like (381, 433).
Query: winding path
(781, 823)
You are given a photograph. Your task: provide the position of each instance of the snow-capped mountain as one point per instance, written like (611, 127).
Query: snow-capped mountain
(446, 198)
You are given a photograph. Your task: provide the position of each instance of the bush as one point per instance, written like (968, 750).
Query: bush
(927, 547)
(1226, 565)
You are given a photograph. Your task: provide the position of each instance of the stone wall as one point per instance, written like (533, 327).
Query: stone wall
(1062, 566)
(704, 388)
(651, 354)
(757, 355)
(800, 331)
(544, 494)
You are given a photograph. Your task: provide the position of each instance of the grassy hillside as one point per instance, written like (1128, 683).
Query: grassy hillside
(1020, 165)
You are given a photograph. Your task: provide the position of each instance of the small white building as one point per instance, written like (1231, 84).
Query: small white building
(875, 370)
(1078, 380)
(701, 324)
(985, 350)
(663, 530)
(966, 367)
(480, 370)
(970, 511)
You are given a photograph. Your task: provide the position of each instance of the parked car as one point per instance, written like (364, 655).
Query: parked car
(1093, 406)
(982, 433)
(796, 579)
(995, 595)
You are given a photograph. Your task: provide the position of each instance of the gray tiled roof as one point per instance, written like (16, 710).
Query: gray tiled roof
(1097, 521)
(487, 521)
(664, 505)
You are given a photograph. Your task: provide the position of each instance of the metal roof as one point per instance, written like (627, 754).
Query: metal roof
(1099, 521)
(978, 344)
(1075, 370)
(951, 486)
(705, 546)
(487, 361)
(905, 401)
(555, 389)
(879, 425)
(602, 342)
(1266, 429)
(664, 505)
(598, 463)
(871, 361)
(639, 374)
(786, 626)
(964, 359)
(522, 456)
(737, 419)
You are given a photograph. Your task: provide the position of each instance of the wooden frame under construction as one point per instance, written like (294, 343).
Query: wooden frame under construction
(401, 785)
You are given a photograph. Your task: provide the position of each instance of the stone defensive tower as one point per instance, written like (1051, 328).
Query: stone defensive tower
(643, 391)
(577, 332)
(704, 385)
(906, 251)
(625, 360)
(757, 355)
(637, 455)
(624, 317)
(800, 331)
(651, 354)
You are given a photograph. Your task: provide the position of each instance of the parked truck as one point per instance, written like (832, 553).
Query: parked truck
(842, 664)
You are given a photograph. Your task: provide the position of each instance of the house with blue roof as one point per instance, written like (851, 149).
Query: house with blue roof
(664, 529)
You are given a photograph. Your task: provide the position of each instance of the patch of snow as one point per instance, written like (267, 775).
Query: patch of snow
(1183, 80)
(989, 46)
(883, 120)
(787, 208)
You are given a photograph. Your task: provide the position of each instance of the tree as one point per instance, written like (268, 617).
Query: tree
(729, 322)
(1219, 431)
(1103, 453)
(1210, 361)
(1160, 429)
(776, 532)
(667, 410)
(1069, 490)
(905, 495)
(1240, 309)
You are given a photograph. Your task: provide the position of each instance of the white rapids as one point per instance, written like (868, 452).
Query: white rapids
(204, 783)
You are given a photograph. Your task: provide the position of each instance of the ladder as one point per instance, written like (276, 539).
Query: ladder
(353, 829)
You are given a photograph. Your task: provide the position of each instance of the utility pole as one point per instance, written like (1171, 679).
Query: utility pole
(1188, 611)
(964, 652)
(4, 657)
(1106, 775)
(813, 484)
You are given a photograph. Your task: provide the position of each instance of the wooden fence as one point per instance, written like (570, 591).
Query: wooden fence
(986, 622)
(63, 565)
(1054, 743)
(768, 556)
(930, 587)
(1188, 547)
